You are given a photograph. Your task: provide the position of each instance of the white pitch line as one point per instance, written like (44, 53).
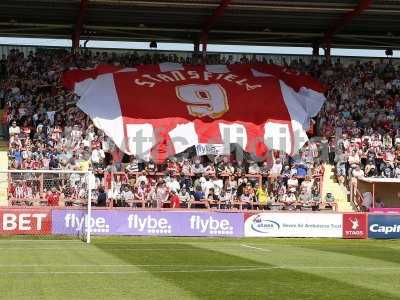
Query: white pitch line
(245, 269)
(218, 269)
(255, 248)
(139, 271)
(122, 265)
(100, 243)
(56, 241)
(105, 249)
(360, 268)
(248, 267)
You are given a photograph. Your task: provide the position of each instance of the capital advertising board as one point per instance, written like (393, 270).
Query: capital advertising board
(384, 226)
(293, 225)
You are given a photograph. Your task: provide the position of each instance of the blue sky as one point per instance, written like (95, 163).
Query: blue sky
(189, 47)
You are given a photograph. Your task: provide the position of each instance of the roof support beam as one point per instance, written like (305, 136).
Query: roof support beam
(345, 20)
(76, 36)
(212, 20)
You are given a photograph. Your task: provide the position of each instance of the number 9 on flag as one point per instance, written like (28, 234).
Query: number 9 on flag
(204, 100)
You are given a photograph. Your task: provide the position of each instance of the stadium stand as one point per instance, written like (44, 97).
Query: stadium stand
(359, 125)
(58, 161)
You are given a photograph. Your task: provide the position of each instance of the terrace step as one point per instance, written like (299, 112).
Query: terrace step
(331, 186)
(3, 145)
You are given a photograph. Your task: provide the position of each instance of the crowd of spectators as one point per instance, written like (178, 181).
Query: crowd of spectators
(360, 121)
(359, 125)
(217, 182)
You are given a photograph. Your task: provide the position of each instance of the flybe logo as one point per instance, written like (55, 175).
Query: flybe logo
(149, 224)
(211, 225)
(80, 222)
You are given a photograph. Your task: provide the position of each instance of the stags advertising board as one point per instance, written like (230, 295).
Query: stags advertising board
(355, 226)
(157, 223)
(293, 225)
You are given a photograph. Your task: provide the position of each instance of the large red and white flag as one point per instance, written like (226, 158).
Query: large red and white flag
(161, 110)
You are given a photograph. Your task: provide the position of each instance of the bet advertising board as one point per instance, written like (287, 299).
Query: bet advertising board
(36, 221)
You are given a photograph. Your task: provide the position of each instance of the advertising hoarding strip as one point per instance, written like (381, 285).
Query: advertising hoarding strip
(43, 221)
(153, 223)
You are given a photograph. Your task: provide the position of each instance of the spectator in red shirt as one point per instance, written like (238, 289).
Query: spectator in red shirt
(175, 202)
(173, 167)
(53, 197)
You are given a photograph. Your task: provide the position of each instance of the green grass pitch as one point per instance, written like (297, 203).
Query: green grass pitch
(199, 268)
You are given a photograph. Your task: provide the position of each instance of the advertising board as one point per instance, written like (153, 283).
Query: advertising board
(385, 210)
(25, 221)
(293, 225)
(384, 226)
(157, 223)
(355, 226)
(211, 149)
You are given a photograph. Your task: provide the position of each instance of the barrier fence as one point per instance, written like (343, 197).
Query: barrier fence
(74, 222)
(39, 188)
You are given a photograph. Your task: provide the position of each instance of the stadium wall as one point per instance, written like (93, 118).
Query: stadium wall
(63, 221)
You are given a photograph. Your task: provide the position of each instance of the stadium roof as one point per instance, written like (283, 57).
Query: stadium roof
(345, 23)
